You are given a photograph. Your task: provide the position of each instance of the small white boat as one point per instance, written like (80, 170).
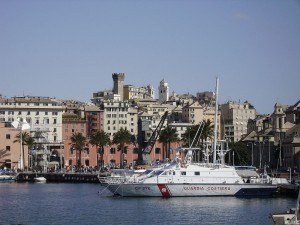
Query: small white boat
(40, 179)
(290, 217)
(7, 178)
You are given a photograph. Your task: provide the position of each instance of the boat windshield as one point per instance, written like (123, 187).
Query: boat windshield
(147, 171)
(158, 172)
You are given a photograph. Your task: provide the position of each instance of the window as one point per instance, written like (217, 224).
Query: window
(7, 148)
(54, 121)
(112, 151)
(135, 151)
(183, 173)
(37, 113)
(157, 150)
(54, 129)
(8, 136)
(197, 173)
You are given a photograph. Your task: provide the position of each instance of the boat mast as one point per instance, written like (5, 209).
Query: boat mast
(216, 123)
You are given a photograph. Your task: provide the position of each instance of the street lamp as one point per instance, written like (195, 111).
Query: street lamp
(22, 125)
(251, 152)
(259, 153)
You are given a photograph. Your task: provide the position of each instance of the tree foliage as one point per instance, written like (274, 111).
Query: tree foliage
(121, 138)
(241, 155)
(168, 136)
(78, 142)
(100, 139)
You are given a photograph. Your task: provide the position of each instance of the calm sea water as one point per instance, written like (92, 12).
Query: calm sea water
(63, 203)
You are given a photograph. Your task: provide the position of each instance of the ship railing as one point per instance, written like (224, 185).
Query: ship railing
(114, 180)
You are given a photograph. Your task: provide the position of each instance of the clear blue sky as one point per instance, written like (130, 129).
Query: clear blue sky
(69, 49)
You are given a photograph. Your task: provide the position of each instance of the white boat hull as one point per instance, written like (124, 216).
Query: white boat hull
(7, 178)
(40, 179)
(186, 190)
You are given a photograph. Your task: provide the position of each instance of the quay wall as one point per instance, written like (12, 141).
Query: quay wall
(60, 177)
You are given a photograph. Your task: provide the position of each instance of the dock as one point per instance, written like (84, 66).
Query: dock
(60, 177)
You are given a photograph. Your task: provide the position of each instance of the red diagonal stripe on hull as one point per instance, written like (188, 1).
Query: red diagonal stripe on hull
(164, 190)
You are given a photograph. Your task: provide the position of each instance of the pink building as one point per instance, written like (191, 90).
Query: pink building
(10, 151)
(95, 119)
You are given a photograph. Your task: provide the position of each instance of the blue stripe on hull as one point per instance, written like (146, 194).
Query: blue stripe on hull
(244, 192)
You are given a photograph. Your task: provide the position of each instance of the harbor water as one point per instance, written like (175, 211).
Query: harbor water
(86, 203)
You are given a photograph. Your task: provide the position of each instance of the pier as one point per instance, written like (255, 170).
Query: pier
(60, 177)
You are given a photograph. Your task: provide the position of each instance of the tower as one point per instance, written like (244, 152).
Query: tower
(118, 84)
(151, 91)
(163, 91)
(279, 118)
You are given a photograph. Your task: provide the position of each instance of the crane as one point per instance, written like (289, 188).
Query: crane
(144, 153)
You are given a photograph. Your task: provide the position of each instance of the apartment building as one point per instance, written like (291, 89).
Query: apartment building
(235, 116)
(43, 114)
(134, 92)
(192, 113)
(94, 118)
(10, 153)
(118, 114)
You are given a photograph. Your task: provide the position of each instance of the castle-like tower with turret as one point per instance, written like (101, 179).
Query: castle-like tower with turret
(118, 88)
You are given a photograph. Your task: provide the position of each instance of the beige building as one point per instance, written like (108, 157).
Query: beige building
(118, 114)
(133, 92)
(44, 116)
(195, 113)
(41, 113)
(192, 113)
(235, 116)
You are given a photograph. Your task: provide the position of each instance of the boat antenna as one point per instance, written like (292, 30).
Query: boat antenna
(216, 123)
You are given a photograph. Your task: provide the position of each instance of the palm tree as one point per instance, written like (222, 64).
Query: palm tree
(78, 142)
(189, 135)
(29, 141)
(207, 130)
(122, 137)
(25, 136)
(100, 139)
(167, 136)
